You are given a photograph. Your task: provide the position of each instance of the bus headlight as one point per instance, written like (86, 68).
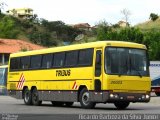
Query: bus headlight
(111, 95)
(147, 96)
(114, 96)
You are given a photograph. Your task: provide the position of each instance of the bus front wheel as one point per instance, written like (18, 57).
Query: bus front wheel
(27, 97)
(84, 99)
(35, 98)
(121, 105)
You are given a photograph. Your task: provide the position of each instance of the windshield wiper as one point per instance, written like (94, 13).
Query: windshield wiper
(134, 68)
(138, 73)
(126, 69)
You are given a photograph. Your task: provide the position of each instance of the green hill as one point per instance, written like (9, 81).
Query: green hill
(38, 31)
(149, 25)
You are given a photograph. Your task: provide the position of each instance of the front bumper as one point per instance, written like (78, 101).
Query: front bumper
(111, 97)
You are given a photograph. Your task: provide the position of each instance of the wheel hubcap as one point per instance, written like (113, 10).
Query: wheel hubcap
(35, 97)
(85, 98)
(26, 97)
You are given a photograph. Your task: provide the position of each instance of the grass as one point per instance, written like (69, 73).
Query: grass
(149, 25)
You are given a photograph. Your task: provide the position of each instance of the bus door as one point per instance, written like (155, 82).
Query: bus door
(98, 71)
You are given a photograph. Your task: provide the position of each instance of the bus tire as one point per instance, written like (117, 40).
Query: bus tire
(84, 99)
(27, 97)
(157, 93)
(68, 104)
(121, 105)
(35, 98)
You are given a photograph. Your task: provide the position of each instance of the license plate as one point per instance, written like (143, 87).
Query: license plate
(130, 97)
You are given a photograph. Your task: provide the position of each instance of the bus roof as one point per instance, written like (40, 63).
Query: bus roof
(81, 46)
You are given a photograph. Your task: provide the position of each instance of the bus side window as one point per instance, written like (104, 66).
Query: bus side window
(47, 60)
(35, 61)
(98, 63)
(14, 64)
(85, 57)
(71, 58)
(25, 62)
(59, 59)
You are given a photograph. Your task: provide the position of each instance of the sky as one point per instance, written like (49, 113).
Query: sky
(88, 11)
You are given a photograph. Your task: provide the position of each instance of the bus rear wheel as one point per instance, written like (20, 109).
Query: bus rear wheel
(157, 93)
(121, 105)
(27, 97)
(35, 98)
(84, 99)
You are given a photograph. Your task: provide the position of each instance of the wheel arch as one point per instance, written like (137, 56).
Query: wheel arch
(33, 87)
(24, 88)
(80, 89)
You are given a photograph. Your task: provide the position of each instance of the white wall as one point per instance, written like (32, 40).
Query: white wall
(154, 69)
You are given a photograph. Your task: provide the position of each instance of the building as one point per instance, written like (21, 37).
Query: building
(123, 24)
(154, 69)
(8, 46)
(82, 26)
(21, 12)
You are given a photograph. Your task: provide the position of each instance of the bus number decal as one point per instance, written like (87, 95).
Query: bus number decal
(63, 72)
(116, 82)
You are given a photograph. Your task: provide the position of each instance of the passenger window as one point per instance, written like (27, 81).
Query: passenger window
(85, 57)
(25, 62)
(71, 58)
(36, 61)
(47, 60)
(14, 64)
(58, 59)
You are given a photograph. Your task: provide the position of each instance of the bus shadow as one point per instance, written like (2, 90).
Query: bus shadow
(95, 109)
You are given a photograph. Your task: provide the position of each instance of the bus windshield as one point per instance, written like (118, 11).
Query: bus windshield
(126, 61)
(2, 76)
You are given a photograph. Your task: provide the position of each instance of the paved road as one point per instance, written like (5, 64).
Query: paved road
(13, 106)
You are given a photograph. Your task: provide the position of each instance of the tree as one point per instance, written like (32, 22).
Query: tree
(2, 4)
(131, 34)
(152, 40)
(126, 14)
(8, 28)
(63, 32)
(153, 16)
(103, 30)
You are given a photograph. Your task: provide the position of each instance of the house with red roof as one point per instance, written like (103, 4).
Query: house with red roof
(83, 26)
(8, 46)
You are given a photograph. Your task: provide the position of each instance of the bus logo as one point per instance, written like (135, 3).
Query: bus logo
(21, 82)
(75, 86)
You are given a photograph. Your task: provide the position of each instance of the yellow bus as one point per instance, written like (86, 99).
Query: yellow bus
(100, 72)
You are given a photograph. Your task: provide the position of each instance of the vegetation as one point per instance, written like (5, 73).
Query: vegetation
(54, 33)
(149, 25)
(126, 14)
(153, 16)
(38, 31)
(149, 37)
